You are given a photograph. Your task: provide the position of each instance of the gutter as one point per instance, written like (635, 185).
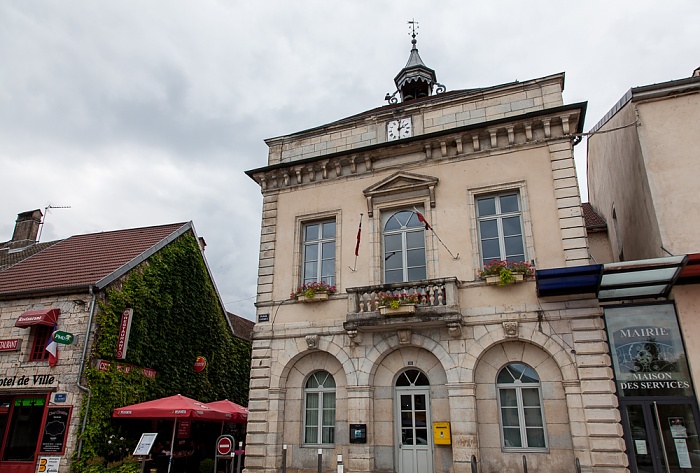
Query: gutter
(82, 366)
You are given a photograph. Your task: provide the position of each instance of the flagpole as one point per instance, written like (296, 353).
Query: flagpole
(357, 246)
(429, 227)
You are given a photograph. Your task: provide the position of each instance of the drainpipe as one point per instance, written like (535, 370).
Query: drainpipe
(82, 365)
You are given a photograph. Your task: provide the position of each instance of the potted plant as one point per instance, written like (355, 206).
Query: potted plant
(397, 304)
(313, 292)
(503, 272)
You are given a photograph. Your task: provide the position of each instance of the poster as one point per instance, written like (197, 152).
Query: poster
(682, 452)
(641, 446)
(53, 437)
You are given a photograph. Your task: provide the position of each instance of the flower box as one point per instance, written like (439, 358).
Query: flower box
(403, 309)
(317, 297)
(496, 280)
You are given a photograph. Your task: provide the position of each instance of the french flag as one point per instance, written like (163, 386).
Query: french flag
(52, 348)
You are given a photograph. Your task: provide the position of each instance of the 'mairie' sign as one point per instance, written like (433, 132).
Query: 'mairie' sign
(124, 329)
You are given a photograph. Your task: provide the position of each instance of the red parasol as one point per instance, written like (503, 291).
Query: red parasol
(173, 407)
(239, 414)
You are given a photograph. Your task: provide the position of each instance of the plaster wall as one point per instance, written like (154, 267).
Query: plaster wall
(601, 249)
(687, 301)
(668, 137)
(617, 180)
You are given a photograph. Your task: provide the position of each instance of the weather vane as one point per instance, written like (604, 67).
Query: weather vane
(413, 33)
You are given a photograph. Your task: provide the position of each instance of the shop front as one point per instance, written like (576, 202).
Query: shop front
(657, 404)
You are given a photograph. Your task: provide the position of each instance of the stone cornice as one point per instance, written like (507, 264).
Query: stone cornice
(465, 142)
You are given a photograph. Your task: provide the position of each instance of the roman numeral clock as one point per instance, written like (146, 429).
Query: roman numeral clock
(399, 129)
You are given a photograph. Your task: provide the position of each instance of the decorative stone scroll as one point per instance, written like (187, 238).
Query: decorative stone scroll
(510, 329)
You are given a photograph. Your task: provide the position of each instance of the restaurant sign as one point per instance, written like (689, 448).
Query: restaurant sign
(124, 331)
(13, 344)
(647, 351)
(104, 365)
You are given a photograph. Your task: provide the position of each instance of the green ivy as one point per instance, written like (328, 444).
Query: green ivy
(177, 317)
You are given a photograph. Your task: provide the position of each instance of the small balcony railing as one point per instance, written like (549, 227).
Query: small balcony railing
(438, 305)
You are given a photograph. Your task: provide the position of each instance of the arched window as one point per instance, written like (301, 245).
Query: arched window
(520, 408)
(319, 411)
(404, 247)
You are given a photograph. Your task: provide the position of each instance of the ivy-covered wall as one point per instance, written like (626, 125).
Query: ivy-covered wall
(177, 317)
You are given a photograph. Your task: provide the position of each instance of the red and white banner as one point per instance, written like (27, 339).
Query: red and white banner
(124, 330)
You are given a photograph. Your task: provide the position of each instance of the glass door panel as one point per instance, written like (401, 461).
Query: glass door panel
(680, 437)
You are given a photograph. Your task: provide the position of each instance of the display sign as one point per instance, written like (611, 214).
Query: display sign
(124, 331)
(59, 397)
(145, 443)
(104, 365)
(183, 429)
(53, 438)
(358, 433)
(263, 317)
(48, 464)
(64, 338)
(199, 364)
(647, 351)
(24, 381)
(12, 344)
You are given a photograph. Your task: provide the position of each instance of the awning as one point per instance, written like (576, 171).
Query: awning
(691, 273)
(617, 281)
(640, 278)
(38, 317)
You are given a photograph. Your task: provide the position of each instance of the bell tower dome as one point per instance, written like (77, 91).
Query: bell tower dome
(415, 80)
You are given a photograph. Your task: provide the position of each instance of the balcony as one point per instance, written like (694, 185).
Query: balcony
(438, 306)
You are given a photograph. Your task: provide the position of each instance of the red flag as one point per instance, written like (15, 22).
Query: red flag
(421, 219)
(359, 233)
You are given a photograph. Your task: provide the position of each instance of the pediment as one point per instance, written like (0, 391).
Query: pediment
(401, 185)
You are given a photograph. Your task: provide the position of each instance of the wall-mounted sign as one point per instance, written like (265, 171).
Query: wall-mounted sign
(64, 338)
(23, 381)
(104, 365)
(263, 317)
(199, 364)
(647, 351)
(12, 344)
(48, 464)
(53, 439)
(124, 330)
(59, 397)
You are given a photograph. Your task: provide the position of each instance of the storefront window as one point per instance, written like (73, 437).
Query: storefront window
(25, 426)
(647, 351)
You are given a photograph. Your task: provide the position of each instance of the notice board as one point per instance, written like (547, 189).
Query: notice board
(53, 437)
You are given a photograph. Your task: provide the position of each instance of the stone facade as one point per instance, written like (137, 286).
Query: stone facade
(62, 378)
(515, 138)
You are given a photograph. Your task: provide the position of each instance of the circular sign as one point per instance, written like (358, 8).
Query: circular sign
(200, 364)
(224, 445)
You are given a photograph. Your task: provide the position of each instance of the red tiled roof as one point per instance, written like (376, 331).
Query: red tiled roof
(242, 328)
(81, 260)
(591, 218)
(10, 256)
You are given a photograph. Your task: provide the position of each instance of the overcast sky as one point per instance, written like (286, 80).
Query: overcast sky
(139, 113)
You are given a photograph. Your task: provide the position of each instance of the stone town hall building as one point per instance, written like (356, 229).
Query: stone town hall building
(478, 372)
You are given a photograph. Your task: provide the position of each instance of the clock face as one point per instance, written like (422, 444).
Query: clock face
(398, 129)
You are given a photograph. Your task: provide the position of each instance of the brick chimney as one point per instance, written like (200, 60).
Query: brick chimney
(27, 226)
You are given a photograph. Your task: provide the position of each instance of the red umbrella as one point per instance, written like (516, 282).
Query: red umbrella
(173, 407)
(239, 414)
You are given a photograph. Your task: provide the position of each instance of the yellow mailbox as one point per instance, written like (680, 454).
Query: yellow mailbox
(441, 433)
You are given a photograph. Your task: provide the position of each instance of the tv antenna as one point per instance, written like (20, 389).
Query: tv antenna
(46, 212)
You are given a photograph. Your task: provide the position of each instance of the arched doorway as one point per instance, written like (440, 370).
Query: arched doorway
(412, 420)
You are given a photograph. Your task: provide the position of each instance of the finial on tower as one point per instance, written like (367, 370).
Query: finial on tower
(413, 33)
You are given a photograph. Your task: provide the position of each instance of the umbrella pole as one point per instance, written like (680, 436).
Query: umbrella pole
(172, 445)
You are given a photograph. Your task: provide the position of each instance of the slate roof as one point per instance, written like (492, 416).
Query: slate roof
(591, 218)
(84, 260)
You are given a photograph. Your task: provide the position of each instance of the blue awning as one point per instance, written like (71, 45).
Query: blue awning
(570, 280)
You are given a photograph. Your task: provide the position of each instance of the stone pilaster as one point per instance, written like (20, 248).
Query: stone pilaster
(360, 411)
(462, 399)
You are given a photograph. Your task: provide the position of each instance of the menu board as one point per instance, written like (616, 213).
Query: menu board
(53, 437)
